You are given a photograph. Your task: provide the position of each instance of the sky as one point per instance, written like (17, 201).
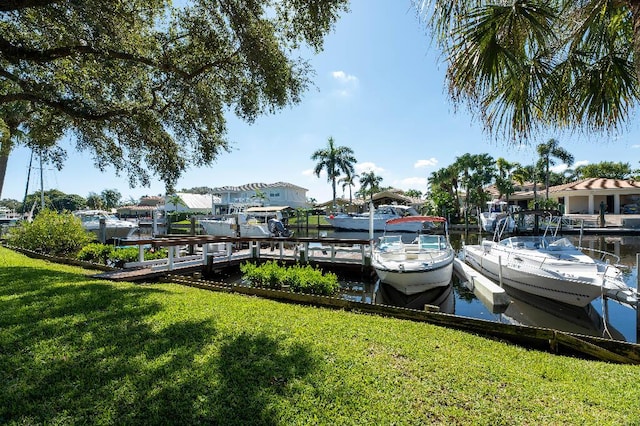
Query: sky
(379, 88)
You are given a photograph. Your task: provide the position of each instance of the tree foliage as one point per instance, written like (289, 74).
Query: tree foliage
(369, 184)
(525, 65)
(144, 85)
(335, 160)
(605, 169)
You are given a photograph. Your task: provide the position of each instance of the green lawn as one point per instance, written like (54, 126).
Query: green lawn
(75, 350)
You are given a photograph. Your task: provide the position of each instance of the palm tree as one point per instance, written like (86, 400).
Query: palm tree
(335, 160)
(547, 152)
(349, 180)
(369, 184)
(504, 180)
(525, 65)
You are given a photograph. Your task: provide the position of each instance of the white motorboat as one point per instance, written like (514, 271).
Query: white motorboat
(497, 217)
(253, 222)
(412, 268)
(8, 216)
(114, 228)
(382, 214)
(550, 267)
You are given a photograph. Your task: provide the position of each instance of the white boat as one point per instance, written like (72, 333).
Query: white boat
(497, 217)
(8, 216)
(382, 214)
(412, 268)
(252, 222)
(114, 228)
(550, 267)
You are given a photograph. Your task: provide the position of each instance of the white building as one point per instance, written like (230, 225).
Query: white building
(260, 194)
(191, 203)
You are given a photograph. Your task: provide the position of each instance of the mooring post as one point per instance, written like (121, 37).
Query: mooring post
(192, 233)
(103, 230)
(638, 301)
(500, 270)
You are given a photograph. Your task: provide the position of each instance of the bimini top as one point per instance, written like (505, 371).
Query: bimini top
(416, 219)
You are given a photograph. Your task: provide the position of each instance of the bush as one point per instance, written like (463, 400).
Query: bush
(96, 252)
(300, 279)
(117, 256)
(58, 234)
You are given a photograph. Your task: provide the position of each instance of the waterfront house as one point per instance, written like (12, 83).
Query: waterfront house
(582, 196)
(259, 194)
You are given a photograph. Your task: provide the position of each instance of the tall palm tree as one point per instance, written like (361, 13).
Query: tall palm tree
(369, 184)
(349, 180)
(548, 152)
(504, 180)
(525, 65)
(335, 160)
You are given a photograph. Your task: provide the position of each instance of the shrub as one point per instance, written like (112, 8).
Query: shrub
(301, 279)
(96, 252)
(59, 234)
(117, 256)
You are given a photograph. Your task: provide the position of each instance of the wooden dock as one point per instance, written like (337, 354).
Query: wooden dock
(204, 253)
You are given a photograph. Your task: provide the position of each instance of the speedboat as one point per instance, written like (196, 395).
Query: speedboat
(423, 264)
(497, 217)
(382, 214)
(550, 267)
(251, 223)
(114, 228)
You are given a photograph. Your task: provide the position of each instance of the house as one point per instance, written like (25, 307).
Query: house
(145, 207)
(359, 205)
(584, 196)
(191, 203)
(260, 194)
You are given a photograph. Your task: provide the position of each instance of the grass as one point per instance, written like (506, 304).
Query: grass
(314, 220)
(75, 350)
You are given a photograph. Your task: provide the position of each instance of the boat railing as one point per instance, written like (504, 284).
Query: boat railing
(603, 256)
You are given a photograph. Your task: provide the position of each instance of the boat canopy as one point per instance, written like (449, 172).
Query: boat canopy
(416, 219)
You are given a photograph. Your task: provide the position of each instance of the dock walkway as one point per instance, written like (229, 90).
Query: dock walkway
(207, 253)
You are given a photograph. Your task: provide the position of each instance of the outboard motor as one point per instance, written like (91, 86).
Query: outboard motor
(277, 228)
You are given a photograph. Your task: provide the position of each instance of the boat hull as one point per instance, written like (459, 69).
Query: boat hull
(533, 279)
(412, 281)
(362, 225)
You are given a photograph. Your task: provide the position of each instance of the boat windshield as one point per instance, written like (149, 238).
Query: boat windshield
(537, 242)
(431, 242)
(391, 242)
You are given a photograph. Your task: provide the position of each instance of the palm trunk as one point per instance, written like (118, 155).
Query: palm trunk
(634, 8)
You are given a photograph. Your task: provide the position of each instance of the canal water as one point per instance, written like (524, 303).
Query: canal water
(604, 318)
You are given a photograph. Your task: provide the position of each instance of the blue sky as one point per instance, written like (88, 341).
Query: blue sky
(379, 89)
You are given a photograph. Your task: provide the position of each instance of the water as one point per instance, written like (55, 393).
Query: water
(605, 318)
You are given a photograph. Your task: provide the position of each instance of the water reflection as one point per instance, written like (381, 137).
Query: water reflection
(601, 318)
(528, 309)
(442, 298)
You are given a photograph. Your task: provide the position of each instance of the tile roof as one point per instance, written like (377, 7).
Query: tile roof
(596, 183)
(257, 185)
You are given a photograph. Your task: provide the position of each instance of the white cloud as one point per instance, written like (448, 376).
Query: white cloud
(419, 183)
(425, 163)
(344, 78)
(368, 167)
(559, 168)
(581, 163)
(635, 146)
(347, 84)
